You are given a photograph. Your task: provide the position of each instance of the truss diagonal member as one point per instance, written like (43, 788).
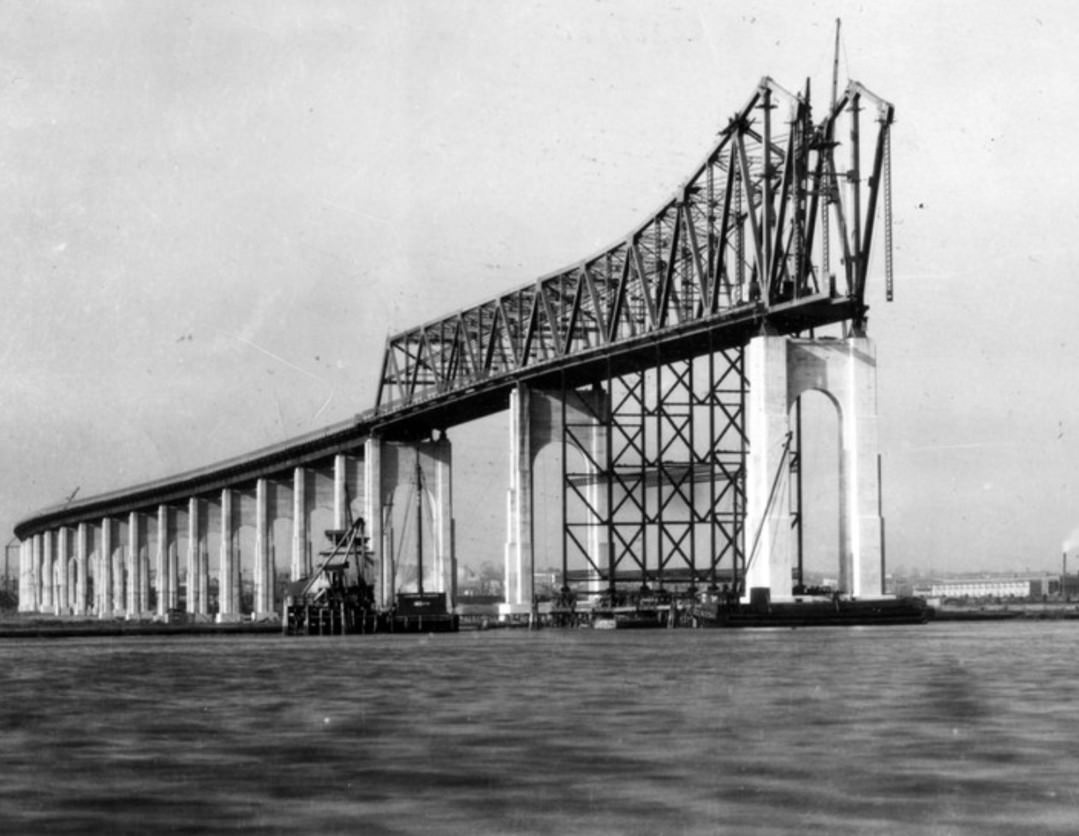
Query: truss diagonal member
(582, 548)
(754, 223)
(638, 267)
(697, 265)
(589, 282)
(666, 290)
(566, 344)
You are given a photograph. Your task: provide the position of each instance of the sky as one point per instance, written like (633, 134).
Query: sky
(214, 213)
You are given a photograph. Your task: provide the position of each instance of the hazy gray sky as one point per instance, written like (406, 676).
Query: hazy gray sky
(215, 212)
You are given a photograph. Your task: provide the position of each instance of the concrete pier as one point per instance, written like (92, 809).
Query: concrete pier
(63, 571)
(106, 587)
(264, 568)
(196, 568)
(536, 419)
(228, 599)
(48, 570)
(301, 553)
(374, 513)
(780, 370)
(134, 565)
(82, 552)
(162, 557)
(25, 602)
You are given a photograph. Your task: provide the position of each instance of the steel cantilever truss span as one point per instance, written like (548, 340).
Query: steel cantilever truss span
(747, 241)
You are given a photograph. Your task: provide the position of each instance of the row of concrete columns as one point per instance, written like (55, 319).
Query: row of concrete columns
(56, 566)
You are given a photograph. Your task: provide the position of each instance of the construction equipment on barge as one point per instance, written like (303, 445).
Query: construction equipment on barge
(337, 599)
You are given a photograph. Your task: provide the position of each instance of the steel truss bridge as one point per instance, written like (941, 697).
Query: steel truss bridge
(771, 233)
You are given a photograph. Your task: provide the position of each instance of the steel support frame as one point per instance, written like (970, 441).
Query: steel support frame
(672, 480)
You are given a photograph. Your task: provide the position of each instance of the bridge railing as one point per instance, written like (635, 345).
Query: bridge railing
(755, 226)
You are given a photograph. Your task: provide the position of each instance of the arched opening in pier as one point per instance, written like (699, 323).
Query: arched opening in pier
(411, 537)
(211, 526)
(319, 490)
(820, 466)
(280, 536)
(175, 563)
(480, 480)
(547, 505)
(244, 545)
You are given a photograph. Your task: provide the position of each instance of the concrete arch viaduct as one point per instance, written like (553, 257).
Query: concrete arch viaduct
(669, 361)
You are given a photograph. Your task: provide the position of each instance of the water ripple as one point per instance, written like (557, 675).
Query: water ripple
(943, 729)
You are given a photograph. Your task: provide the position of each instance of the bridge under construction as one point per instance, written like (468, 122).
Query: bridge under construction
(667, 371)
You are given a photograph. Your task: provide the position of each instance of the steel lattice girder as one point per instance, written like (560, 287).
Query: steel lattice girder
(674, 468)
(740, 236)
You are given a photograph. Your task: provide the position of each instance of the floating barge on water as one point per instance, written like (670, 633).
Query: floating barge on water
(811, 611)
(644, 610)
(720, 606)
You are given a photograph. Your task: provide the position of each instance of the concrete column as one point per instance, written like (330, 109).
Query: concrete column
(373, 517)
(862, 549)
(440, 486)
(172, 574)
(48, 571)
(161, 567)
(81, 556)
(264, 570)
(119, 575)
(95, 598)
(24, 575)
(768, 537)
(62, 604)
(144, 575)
(228, 572)
(36, 561)
(107, 585)
(340, 497)
(519, 559)
(194, 601)
(301, 565)
(203, 577)
(134, 565)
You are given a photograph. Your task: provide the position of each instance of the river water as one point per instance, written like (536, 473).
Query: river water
(939, 729)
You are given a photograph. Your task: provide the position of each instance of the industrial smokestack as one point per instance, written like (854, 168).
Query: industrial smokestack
(1064, 562)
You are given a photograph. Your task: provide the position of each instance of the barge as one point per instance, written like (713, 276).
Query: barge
(811, 611)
